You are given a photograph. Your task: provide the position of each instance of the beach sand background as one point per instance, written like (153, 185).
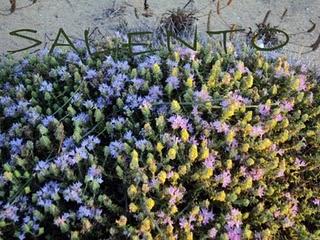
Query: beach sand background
(74, 16)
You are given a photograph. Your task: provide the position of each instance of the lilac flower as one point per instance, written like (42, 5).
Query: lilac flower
(133, 101)
(173, 82)
(32, 116)
(264, 109)
(95, 174)
(178, 122)
(212, 233)
(234, 98)
(256, 174)
(142, 144)
(116, 147)
(149, 62)
(225, 178)
(106, 90)
(46, 87)
(137, 83)
(286, 106)
(316, 201)
(9, 212)
(90, 142)
(187, 53)
(61, 70)
(47, 193)
(260, 191)
(118, 83)
(89, 104)
(5, 100)
(73, 193)
(302, 83)
(90, 74)
(41, 166)
(128, 136)
(209, 162)
(10, 111)
(81, 118)
(73, 57)
(76, 98)
(257, 131)
(176, 194)
(16, 146)
(206, 215)
(2, 139)
(299, 163)
(62, 220)
(87, 212)
(202, 96)
(155, 93)
(68, 143)
(234, 218)
(47, 120)
(221, 127)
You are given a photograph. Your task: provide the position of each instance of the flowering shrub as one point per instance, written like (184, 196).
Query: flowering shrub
(181, 145)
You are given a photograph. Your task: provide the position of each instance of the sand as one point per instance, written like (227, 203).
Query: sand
(74, 16)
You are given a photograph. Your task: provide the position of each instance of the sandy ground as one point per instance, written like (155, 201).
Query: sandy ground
(47, 16)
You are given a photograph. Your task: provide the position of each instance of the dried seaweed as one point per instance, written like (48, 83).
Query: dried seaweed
(178, 20)
(218, 7)
(284, 14)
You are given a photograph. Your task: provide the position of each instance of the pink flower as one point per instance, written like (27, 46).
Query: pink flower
(209, 162)
(225, 178)
(286, 106)
(178, 122)
(212, 233)
(302, 84)
(175, 194)
(256, 174)
(206, 215)
(221, 127)
(260, 191)
(316, 201)
(299, 163)
(257, 131)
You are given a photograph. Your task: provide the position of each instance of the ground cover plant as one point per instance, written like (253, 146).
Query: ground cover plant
(183, 145)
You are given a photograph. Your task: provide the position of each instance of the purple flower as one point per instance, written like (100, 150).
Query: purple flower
(257, 131)
(286, 106)
(2, 139)
(209, 162)
(116, 147)
(90, 74)
(47, 120)
(176, 194)
(9, 212)
(81, 118)
(221, 127)
(47, 193)
(260, 191)
(256, 174)
(316, 201)
(41, 166)
(302, 83)
(62, 220)
(178, 122)
(212, 233)
(225, 178)
(95, 174)
(173, 82)
(137, 83)
(46, 87)
(206, 215)
(87, 212)
(202, 96)
(16, 146)
(73, 57)
(73, 193)
(155, 92)
(264, 109)
(90, 142)
(299, 163)
(234, 218)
